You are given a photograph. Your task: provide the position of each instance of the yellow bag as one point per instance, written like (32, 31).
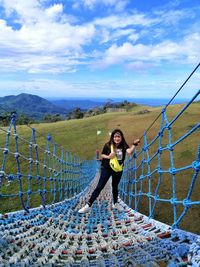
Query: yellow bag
(114, 163)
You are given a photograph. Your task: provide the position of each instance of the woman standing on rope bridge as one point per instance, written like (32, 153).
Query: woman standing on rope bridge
(116, 150)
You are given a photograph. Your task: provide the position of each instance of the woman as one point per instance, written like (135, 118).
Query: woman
(120, 149)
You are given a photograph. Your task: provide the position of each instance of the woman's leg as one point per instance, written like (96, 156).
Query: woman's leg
(104, 177)
(116, 176)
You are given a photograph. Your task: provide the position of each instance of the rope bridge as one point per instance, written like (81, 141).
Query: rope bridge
(51, 185)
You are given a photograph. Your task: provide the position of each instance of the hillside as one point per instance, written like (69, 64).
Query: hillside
(74, 134)
(31, 105)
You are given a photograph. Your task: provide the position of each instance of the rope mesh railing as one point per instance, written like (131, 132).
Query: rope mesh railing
(146, 171)
(37, 174)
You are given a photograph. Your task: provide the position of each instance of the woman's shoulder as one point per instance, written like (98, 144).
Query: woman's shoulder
(107, 145)
(106, 148)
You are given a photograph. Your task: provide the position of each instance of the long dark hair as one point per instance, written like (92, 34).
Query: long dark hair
(111, 141)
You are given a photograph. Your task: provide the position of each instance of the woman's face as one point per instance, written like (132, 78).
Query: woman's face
(117, 138)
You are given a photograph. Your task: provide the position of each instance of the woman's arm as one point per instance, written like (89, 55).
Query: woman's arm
(106, 153)
(110, 156)
(132, 148)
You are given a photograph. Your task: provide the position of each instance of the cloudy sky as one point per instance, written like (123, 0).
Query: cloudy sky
(99, 48)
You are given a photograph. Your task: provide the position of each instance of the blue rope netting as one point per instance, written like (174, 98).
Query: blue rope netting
(144, 173)
(39, 171)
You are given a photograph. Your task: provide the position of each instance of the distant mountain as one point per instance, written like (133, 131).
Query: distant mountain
(31, 105)
(71, 104)
(86, 104)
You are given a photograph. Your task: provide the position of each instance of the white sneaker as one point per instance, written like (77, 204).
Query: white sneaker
(118, 207)
(85, 209)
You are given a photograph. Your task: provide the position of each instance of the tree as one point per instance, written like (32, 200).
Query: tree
(76, 114)
(5, 119)
(23, 119)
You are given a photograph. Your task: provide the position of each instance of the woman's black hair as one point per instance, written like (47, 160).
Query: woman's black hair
(111, 141)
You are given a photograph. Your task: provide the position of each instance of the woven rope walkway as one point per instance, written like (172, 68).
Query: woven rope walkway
(59, 236)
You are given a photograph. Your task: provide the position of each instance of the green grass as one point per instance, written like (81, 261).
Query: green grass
(80, 138)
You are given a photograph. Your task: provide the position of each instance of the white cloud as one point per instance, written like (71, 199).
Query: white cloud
(187, 50)
(119, 33)
(173, 17)
(54, 10)
(140, 66)
(26, 11)
(125, 20)
(42, 43)
(126, 52)
(117, 5)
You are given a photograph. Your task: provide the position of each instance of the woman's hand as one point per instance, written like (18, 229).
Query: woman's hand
(136, 142)
(132, 148)
(111, 155)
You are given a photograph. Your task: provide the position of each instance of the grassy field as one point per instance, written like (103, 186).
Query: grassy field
(80, 138)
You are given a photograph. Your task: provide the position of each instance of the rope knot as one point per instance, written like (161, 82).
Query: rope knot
(49, 137)
(141, 177)
(163, 110)
(16, 136)
(29, 192)
(10, 178)
(21, 194)
(17, 155)
(170, 147)
(159, 150)
(2, 173)
(173, 201)
(5, 151)
(156, 197)
(187, 203)
(19, 175)
(160, 133)
(196, 165)
(173, 171)
(168, 127)
(40, 191)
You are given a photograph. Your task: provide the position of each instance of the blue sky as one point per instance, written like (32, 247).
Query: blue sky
(99, 48)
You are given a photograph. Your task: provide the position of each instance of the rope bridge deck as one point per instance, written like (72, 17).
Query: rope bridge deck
(59, 236)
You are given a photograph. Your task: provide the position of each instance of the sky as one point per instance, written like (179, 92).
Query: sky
(99, 48)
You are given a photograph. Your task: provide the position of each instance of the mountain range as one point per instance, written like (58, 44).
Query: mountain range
(71, 104)
(37, 107)
(31, 105)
